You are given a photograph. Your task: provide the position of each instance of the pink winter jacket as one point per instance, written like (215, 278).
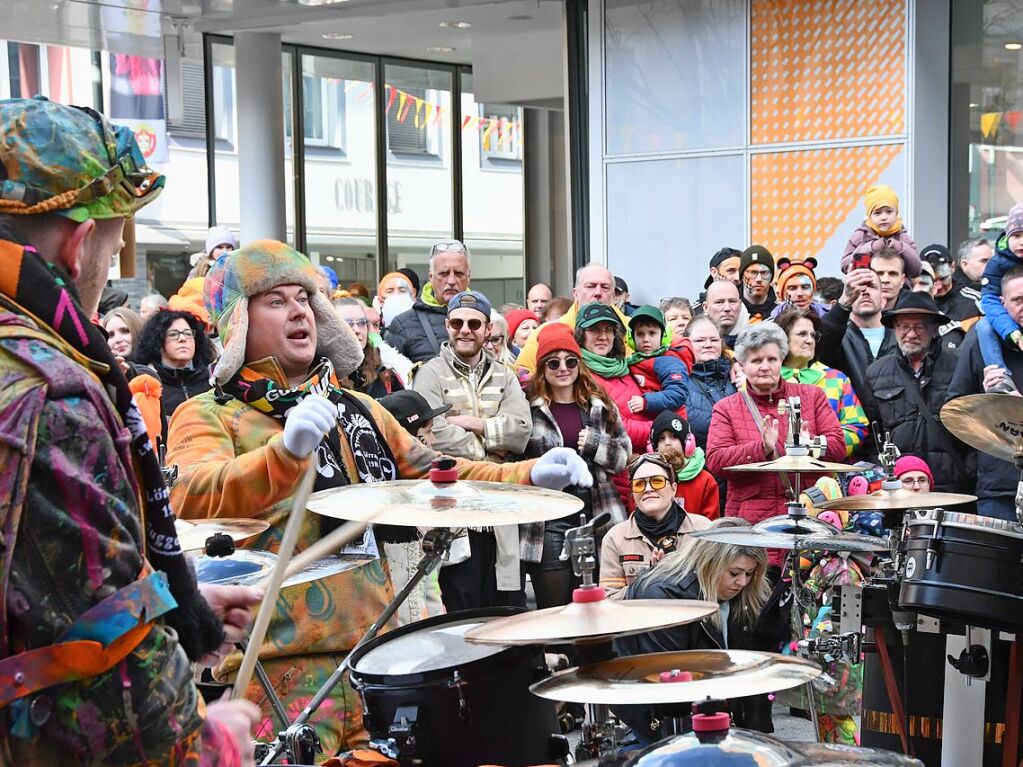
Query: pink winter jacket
(866, 240)
(735, 439)
(637, 425)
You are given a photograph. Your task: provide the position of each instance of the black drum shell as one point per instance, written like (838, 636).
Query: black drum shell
(505, 724)
(975, 577)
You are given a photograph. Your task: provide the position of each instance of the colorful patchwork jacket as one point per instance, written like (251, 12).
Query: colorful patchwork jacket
(72, 536)
(232, 463)
(841, 396)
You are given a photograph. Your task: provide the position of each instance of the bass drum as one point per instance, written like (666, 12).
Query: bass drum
(450, 703)
(964, 568)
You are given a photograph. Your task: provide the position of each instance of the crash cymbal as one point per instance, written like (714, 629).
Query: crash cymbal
(193, 533)
(792, 463)
(248, 567)
(895, 500)
(791, 541)
(465, 503)
(583, 623)
(991, 423)
(714, 673)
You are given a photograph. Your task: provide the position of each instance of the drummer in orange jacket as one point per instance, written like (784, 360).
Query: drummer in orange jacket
(672, 438)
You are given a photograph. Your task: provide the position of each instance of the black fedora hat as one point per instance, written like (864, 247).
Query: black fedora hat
(914, 303)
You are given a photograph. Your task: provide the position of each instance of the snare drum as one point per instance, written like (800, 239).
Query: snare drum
(448, 702)
(964, 568)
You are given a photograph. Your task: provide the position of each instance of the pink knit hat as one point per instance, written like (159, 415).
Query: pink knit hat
(912, 463)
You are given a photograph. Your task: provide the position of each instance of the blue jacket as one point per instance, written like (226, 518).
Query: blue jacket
(673, 378)
(708, 383)
(991, 288)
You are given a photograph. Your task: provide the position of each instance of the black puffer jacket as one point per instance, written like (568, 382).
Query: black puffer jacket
(708, 384)
(889, 389)
(180, 384)
(995, 477)
(407, 334)
(745, 632)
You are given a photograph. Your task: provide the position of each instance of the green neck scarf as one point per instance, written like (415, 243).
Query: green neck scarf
(427, 296)
(808, 375)
(605, 367)
(640, 356)
(694, 465)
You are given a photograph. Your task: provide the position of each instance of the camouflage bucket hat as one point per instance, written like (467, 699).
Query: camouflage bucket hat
(70, 160)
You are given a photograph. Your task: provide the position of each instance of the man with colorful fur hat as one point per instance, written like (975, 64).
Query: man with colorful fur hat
(243, 448)
(91, 571)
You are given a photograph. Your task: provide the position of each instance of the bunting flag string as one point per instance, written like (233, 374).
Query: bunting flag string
(990, 121)
(498, 133)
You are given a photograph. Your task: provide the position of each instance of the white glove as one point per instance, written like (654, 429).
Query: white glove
(560, 467)
(306, 424)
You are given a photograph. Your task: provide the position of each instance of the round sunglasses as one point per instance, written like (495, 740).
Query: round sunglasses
(554, 363)
(654, 483)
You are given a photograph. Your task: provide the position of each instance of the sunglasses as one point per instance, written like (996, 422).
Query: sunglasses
(442, 247)
(654, 483)
(495, 340)
(456, 324)
(554, 363)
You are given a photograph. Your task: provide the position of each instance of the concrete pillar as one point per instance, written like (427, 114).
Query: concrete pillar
(258, 75)
(548, 257)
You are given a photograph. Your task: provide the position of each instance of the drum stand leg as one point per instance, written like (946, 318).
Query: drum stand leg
(436, 544)
(268, 688)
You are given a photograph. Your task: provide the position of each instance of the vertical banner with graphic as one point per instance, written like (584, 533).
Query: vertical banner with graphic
(136, 100)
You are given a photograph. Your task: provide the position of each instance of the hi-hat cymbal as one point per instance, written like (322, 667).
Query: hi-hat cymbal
(584, 623)
(421, 503)
(991, 423)
(248, 567)
(637, 679)
(895, 500)
(792, 463)
(193, 533)
(748, 536)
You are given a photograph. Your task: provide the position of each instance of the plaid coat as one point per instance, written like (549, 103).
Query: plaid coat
(841, 396)
(606, 450)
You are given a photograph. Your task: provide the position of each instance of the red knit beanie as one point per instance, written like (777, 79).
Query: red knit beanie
(912, 463)
(555, 337)
(516, 317)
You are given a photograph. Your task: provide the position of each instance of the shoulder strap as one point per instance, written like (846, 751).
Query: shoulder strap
(428, 329)
(918, 400)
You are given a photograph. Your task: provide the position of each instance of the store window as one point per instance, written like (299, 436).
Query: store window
(987, 116)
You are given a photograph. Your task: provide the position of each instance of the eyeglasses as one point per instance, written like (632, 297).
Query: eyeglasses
(554, 363)
(920, 328)
(807, 334)
(921, 482)
(358, 323)
(442, 247)
(456, 324)
(174, 335)
(757, 274)
(656, 484)
(496, 340)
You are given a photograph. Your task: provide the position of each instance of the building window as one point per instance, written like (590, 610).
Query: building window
(192, 124)
(323, 104)
(409, 132)
(500, 136)
(223, 103)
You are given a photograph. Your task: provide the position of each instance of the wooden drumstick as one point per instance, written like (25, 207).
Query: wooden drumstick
(273, 588)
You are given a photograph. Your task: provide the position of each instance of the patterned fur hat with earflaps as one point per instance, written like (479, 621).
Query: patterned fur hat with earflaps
(256, 268)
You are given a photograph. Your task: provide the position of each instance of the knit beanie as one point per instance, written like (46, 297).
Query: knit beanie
(669, 421)
(516, 317)
(258, 267)
(220, 235)
(790, 270)
(556, 337)
(756, 254)
(912, 463)
(1014, 223)
(396, 275)
(880, 195)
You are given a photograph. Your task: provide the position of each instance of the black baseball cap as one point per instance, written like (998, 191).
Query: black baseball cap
(411, 409)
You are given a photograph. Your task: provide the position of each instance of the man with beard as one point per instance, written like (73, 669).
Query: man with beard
(907, 389)
(756, 271)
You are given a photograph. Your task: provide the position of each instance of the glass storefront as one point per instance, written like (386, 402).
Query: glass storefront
(986, 116)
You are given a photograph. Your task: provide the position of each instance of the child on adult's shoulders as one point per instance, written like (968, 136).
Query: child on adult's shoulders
(882, 228)
(997, 325)
(662, 371)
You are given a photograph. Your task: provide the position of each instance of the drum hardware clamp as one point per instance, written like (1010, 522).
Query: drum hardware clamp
(846, 647)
